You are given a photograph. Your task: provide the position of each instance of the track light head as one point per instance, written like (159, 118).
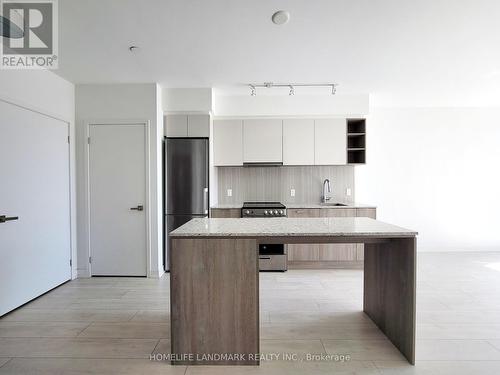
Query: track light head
(253, 91)
(291, 86)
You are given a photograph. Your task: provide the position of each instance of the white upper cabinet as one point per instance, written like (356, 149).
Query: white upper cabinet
(262, 141)
(194, 126)
(228, 142)
(176, 125)
(198, 126)
(330, 138)
(298, 142)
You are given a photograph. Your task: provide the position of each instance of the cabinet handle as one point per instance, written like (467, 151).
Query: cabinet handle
(205, 200)
(264, 257)
(138, 208)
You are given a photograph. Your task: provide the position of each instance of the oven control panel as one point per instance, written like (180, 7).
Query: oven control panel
(263, 212)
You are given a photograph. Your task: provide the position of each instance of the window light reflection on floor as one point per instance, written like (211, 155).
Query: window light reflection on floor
(494, 266)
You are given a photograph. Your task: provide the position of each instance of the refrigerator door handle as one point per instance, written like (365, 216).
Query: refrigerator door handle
(205, 200)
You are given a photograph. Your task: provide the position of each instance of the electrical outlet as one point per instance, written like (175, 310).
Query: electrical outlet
(348, 192)
(292, 192)
(229, 192)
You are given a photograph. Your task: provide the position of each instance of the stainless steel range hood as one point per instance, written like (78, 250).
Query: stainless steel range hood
(263, 164)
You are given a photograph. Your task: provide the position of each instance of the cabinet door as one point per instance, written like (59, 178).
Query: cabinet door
(364, 212)
(303, 252)
(330, 142)
(337, 252)
(176, 125)
(198, 126)
(298, 142)
(262, 141)
(228, 142)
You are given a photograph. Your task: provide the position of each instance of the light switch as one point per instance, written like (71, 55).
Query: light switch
(292, 192)
(348, 192)
(229, 192)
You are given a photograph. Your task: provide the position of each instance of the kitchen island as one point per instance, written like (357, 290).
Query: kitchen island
(214, 282)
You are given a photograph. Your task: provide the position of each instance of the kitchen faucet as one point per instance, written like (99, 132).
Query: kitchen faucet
(326, 185)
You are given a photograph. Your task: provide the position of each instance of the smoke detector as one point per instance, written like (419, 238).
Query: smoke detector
(280, 17)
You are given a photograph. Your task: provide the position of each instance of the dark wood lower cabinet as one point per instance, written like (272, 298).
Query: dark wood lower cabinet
(214, 295)
(317, 255)
(328, 255)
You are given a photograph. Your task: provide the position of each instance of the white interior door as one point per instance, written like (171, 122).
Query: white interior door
(117, 179)
(35, 249)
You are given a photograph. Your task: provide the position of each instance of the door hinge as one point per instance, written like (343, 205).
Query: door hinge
(70, 262)
(88, 140)
(90, 259)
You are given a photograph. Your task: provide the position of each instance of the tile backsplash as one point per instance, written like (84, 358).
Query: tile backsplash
(275, 183)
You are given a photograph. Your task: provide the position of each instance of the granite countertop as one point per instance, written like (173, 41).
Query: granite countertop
(320, 205)
(290, 227)
(301, 205)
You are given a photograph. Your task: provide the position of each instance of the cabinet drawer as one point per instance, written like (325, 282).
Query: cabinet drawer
(272, 263)
(337, 212)
(303, 212)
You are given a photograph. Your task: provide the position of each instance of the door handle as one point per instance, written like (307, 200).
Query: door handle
(4, 218)
(205, 200)
(138, 208)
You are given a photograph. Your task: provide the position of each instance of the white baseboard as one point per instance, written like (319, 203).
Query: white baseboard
(155, 274)
(82, 274)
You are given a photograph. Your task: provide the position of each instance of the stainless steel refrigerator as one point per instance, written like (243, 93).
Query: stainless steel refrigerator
(186, 192)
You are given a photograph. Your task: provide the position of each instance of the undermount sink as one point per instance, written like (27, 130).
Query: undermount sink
(334, 204)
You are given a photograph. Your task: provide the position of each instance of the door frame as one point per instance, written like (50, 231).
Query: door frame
(147, 178)
(71, 173)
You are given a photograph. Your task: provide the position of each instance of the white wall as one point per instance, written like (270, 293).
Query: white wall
(435, 170)
(284, 105)
(121, 102)
(187, 99)
(40, 89)
(45, 92)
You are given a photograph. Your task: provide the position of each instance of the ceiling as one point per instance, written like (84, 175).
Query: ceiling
(366, 46)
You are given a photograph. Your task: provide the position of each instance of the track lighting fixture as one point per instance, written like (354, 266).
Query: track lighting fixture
(291, 86)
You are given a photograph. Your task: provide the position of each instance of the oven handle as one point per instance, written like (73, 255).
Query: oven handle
(264, 257)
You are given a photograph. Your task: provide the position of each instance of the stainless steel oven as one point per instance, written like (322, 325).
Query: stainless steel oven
(272, 257)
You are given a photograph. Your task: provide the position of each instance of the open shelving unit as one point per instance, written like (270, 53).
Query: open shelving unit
(356, 141)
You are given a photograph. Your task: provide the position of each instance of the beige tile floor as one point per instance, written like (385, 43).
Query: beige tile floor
(112, 325)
